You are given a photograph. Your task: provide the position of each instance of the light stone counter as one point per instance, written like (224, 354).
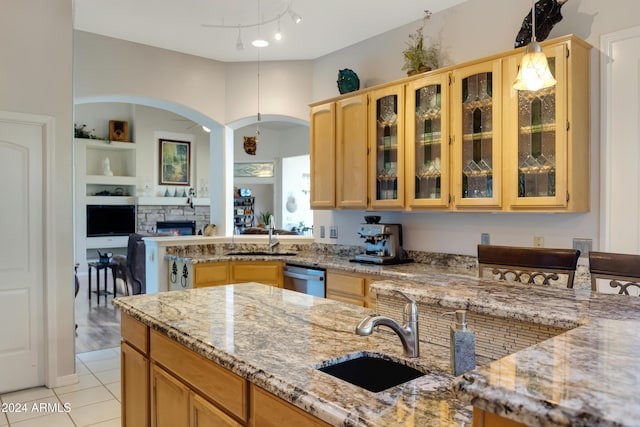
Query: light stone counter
(587, 376)
(276, 338)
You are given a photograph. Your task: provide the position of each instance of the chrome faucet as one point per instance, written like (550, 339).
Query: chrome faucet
(408, 332)
(273, 241)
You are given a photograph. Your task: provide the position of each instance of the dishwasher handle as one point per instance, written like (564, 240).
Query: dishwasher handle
(302, 276)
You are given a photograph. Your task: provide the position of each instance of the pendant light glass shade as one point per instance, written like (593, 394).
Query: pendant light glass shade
(534, 73)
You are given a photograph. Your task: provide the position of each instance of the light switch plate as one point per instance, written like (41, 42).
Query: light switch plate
(333, 232)
(484, 239)
(322, 231)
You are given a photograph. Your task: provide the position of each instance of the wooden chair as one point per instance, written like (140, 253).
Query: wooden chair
(621, 270)
(541, 266)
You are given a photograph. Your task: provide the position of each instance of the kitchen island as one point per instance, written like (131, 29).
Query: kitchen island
(275, 339)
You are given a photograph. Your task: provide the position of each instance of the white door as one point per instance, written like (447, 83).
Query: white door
(620, 198)
(21, 255)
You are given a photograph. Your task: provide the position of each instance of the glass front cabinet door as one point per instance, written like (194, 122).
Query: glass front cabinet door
(427, 142)
(386, 148)
(546, 137)
(477, 127)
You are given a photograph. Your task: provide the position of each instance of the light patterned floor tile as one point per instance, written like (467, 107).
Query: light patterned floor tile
(50, 420)
(86, 397)
(3, 419)
(95, 413)
(111, 423)
(27, 395)
(34, 409)
(114, 388)
(84, 382)
(103, 365)
(107, 353)
(108, 377)
(81, 368)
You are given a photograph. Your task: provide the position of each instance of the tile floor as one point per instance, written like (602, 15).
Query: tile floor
(93, 401)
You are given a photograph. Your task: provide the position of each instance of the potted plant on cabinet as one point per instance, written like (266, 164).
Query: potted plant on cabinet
(417, 57)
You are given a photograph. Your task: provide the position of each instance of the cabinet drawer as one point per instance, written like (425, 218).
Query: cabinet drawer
(250, 271)
(345, 284)
(216, 273)
(211, 380)
(349, 300)
(268, 410)
(135, 333)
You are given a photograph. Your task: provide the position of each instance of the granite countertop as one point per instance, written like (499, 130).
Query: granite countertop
(587, 376)
(408, 271)
(276, 338)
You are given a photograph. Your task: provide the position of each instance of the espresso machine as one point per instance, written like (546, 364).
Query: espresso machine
(384, 243)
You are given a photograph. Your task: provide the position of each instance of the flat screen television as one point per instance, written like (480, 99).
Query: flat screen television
(111, 220)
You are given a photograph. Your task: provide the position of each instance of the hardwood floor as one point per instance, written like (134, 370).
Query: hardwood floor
(98, 325)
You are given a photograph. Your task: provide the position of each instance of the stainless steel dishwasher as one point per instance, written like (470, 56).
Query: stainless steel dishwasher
(304, 279)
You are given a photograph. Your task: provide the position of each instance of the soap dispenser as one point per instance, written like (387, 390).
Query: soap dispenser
(462, 345)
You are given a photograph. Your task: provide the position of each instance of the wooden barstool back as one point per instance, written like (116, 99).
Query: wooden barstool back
(541, 266)
(621, 270)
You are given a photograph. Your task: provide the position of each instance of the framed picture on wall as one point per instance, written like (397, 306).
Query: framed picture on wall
(175, 162)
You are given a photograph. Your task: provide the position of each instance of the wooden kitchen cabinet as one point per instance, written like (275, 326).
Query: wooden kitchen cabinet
(204, 414)
(476, 120)
(386, 147)
(352, 288)
(211, 274)
(489, 419)
(546, 133)
(427, 142)
(265, 272)
(322, 123)
(351, 152)
(268, 410)
(134, 372)
(169, 400)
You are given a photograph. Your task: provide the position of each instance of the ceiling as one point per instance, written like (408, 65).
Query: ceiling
(327, 25)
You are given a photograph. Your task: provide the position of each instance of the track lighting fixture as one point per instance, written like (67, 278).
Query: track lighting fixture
(260, 42)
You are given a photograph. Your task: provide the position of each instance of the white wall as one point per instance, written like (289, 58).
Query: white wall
(36, 77)
(471, 30)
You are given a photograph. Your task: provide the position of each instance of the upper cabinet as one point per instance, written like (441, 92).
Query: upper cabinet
(427, 142)
(459, 138)
(546, 134)
(386, 148)
(351, 152)
(322, 120)
(476, 129)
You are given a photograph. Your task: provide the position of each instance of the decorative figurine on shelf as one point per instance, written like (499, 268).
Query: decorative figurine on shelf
(209, 229)
(548, 14)
(417, 57)
(106, 167)
(348, 81)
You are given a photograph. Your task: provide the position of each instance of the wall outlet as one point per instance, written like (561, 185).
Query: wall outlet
(484, 239)
(583, 245)
(538, 241)
(333, 232)
(322, 231)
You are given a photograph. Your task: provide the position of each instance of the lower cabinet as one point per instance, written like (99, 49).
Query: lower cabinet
(211, 274)
(483, 418)
(164, 383)
(268, 410)
(226, 272)
(352, 288)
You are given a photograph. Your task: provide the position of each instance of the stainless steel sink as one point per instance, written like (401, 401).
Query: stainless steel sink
(370, 372)
(262, 253)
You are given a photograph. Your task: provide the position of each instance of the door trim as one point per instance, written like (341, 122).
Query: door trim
(49, 259)
(607, 43)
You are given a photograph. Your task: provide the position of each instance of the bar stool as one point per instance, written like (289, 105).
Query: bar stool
(621, 270)
(540, 266)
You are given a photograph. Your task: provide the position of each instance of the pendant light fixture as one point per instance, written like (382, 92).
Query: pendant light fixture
(534, 73)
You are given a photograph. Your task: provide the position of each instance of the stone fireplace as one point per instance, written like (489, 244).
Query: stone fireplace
(149, 215)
